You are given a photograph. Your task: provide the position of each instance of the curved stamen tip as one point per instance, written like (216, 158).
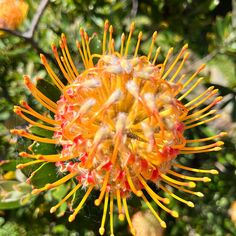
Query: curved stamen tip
(175, 214)
(219, 143)
(121, 217)
(106, 25)
(97, 202)
(154, 35)
(20, 166)
(132, 231)
(185, 46)
(206, 179)
(214, 172)
(71, 218)
(199, 194)
(139, 193)
(163, 224)
(132, 26)
(81, 31)
(191, 185)
(43, 58)
(53, 209)
(140, 35)
(166, 201)
(63, 37)
(101, 231)
(190, 204)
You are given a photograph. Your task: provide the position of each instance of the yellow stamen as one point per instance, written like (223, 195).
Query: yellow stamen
(111, 216)
(167, 56)
(102, 229)
(21, 166)
(222, 134)
(216, 144)
(83, 46)
(214, 172)
(186, 55)
(140, 35)
(200, 117)
(203, 122)
(175, 61)
(162, 223)
(110, 39)
(152, 193)
(81, 54)
(53, 209)
(215, 149)
(187, 184)
(97, 202)
(188, 203)
(203, 179)
(156, 55)
(154, 36)
(129, 38)
(122, 44)
(72, 216)
(199, 194)
(106, 25)
(131, 184)
(200, 96)
(132, 230)
(121, 215)
(55, 184)
(191, 89)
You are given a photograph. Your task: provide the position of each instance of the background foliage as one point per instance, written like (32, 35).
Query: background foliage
(209, 26)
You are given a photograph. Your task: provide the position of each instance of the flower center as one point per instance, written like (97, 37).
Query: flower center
(120, 118)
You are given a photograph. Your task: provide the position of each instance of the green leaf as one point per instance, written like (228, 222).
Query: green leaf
(12, 193)
(48, 90)
(46, 173)
(41, 132)
(43, 148)
(10, 165)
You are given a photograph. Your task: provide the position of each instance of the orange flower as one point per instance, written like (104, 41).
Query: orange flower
(12, 13)
(121, 124)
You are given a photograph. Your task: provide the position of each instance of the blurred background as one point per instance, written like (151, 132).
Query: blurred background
(29, 28)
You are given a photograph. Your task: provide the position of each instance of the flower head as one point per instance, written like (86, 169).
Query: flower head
(12, 13)
(121, 124)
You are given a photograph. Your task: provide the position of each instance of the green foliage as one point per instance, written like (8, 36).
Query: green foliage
(205, 25)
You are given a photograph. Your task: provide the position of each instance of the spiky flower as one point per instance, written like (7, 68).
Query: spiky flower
(12, 13)
(121, 124)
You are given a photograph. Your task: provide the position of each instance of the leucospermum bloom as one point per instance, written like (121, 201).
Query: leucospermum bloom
(12, 13)
(121, 124)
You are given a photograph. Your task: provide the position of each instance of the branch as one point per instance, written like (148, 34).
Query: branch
(41, 8)
(29, 34)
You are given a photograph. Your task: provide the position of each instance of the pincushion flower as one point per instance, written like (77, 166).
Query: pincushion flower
(12, 13)
(121, 125)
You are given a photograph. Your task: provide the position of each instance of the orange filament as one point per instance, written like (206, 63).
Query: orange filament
(53, 209)
(132, 230)
(97, 202)
(23, 133)
(36, 114)
(216, 144)
(17, 110)
(200, 117)
(167, 56)
(51, 73)
(68, 55)
(188, 203)
(195, 170)
(222, 134)
(106, 25)
(102, 229)
(187, 184)
(162, 223)
(81, 54)
(83, 46)
(77, 209)
(122, 44)
(215, 149)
